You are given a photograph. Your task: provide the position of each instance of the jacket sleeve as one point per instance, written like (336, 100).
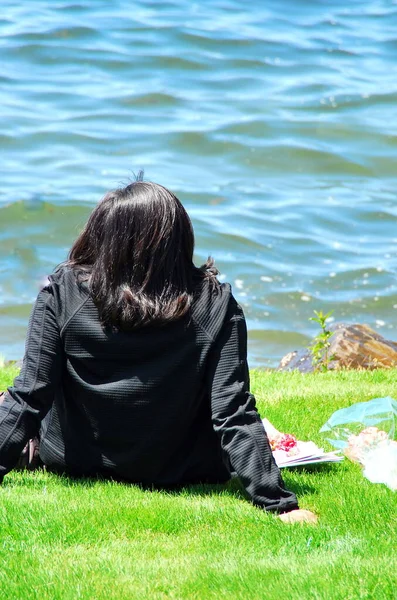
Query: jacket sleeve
(236, 420)
(27, 402)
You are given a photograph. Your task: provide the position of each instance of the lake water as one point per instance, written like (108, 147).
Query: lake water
(274, 122)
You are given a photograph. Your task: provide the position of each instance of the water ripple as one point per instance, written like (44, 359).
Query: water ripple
(274, 123)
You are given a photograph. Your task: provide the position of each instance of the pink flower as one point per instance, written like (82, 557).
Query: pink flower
(283, 441)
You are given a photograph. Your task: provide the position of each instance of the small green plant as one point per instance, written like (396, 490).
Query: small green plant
(319, 348)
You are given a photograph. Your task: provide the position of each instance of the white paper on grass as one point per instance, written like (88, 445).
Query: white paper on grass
(308, 452)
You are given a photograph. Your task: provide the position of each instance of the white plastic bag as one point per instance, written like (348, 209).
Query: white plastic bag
(380, 465)
(365, 432)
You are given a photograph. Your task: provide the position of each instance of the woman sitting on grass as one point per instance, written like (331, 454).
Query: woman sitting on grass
(136, 362)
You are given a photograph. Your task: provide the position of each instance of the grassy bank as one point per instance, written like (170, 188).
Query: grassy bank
(91, 539)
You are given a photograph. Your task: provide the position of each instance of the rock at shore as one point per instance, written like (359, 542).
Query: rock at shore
(352, 346)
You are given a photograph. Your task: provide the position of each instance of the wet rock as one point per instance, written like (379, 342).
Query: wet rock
(352, 346)
(298, 359)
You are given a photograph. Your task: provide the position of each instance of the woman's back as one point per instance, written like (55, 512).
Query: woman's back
(131, 402)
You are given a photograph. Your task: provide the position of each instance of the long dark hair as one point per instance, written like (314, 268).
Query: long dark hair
(136, 253)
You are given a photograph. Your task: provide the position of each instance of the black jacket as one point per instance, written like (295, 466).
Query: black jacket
(160, 405)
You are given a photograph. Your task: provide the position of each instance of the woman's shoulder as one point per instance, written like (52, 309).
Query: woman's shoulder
(210, 290)
(66, 276)
(212, 305)
(65, 288)
(59, 273)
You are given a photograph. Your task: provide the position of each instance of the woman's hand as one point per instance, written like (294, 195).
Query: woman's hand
(298, 516)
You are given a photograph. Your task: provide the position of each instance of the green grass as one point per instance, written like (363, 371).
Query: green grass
(103, 540)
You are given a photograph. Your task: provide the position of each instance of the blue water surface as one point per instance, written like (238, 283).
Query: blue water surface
(273, 122)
